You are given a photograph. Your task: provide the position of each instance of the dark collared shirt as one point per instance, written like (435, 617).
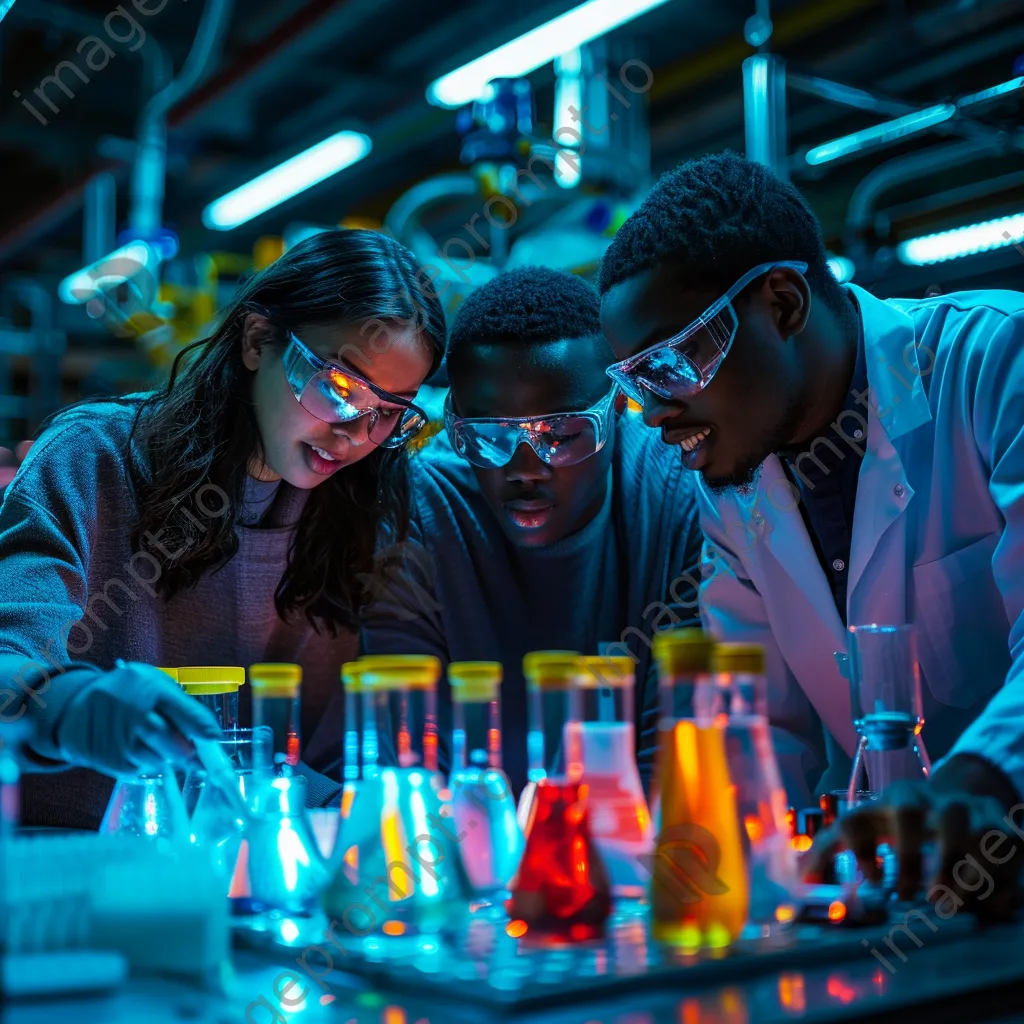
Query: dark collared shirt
(826, 474)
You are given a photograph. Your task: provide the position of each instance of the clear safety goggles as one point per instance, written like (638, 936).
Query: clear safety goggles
(337, 394)
(561, 439)
(683, 365)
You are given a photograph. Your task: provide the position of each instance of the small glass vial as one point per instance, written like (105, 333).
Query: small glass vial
(482, 800)
(404, 697)
(352, 775)
(602, 743)
(216, 687)
(275, 703)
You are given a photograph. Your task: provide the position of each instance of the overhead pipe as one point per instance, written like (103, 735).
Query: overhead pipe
(150, 168)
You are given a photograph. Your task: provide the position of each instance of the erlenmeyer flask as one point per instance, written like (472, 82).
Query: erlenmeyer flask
(148, 807)
(601, 752)
(397, 858)
(482, 800)
(561, 887)
(722, 852)
(885, 698)
(551, 701)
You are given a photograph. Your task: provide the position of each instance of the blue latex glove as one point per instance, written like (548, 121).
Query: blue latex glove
(130, 720)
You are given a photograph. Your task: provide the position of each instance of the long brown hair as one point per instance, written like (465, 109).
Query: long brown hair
(200, 428)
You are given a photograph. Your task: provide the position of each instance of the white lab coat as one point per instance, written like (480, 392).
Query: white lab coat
(938, 538)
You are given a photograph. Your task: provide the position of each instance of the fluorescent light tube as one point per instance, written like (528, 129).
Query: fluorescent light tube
(280, 183)
(536, 47)
(842, 268)
(5, 6)
(990, 94)
(965, 241)
(121, 265)
(880, 133)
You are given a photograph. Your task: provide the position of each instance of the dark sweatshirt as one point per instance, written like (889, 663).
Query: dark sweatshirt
(74, 597)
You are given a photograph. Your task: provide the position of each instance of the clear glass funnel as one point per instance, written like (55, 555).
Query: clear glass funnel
(885, 698)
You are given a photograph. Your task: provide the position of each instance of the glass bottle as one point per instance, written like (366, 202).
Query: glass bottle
(722, 854)
(275, 703)
(398, 854)
(148, 806)
(215, 687)
(601, 750)
(551, 701)
(888, 714)
(482, 800)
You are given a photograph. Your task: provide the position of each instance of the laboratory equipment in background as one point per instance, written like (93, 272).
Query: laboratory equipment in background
(723, 855)
(148, 806)
(275, 704)
(601, 752)
(885, 698)
(215, 687)
(482, 800)
(551, 700)
(351, 680)
(398, 853)
(13, 734)
(561, 888)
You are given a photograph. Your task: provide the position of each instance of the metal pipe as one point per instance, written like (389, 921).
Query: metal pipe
(149, 172)
(847, 95)
(903, 169)
(764, 111)
(99, 227)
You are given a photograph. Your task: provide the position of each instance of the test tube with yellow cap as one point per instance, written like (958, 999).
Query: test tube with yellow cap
(552, 700)
(404, 692)
(216, 687)
(275, 704)
(351, 680)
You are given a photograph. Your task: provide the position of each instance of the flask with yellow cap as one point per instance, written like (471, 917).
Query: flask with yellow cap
(721, 814)
(601, 749)
(275, 703)
(215, 686)
(482, 799)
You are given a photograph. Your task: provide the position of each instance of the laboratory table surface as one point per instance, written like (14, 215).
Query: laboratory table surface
(977, 976)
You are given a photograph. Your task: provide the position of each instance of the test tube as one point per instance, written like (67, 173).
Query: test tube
(351, 680)
(215, 687)
(552, 701)
(275, 703)
(404, 689)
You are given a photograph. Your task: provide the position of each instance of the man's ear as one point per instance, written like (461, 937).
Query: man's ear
(255, 333)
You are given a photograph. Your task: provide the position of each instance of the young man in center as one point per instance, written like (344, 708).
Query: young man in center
(546, 516)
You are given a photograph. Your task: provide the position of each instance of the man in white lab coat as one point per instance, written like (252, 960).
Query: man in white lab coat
(799, 402)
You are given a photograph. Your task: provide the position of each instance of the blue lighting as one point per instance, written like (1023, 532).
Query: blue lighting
(965, 241)
(880, 133)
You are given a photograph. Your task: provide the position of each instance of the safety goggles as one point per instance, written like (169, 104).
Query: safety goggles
(336, 394)
(561, 439)
(684, 365)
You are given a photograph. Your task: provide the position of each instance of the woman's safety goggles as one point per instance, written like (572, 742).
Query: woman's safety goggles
(561, 439)
(336, 394)
(684, 364)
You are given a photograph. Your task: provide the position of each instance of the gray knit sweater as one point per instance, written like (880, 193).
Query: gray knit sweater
(74, 597)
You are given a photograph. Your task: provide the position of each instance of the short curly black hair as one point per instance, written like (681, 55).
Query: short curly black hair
(525, 305)
(716, 217)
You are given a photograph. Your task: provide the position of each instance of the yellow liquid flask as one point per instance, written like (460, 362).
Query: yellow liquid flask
(216, 687)
(722, 856)
(397, 866)
(601, 751)
(551, 701)
(275, 705)
(485, 809)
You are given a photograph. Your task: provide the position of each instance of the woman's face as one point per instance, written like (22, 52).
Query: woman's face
(299, 448)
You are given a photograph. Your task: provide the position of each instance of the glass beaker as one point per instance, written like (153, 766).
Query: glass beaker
(551, 701)
(888, 714)
(275, 704)
(482, 800)
(148, 806)
(601, 750)
(722, 852)
(215, 687)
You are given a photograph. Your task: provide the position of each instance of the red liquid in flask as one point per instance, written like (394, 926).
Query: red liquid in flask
(561, 888)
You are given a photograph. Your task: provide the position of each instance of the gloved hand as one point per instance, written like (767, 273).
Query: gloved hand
(131, 720)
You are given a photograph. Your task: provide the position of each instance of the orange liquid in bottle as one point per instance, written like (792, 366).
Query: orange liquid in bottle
(700, 894)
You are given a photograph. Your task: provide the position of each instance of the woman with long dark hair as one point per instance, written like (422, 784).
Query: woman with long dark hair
(228, 518)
